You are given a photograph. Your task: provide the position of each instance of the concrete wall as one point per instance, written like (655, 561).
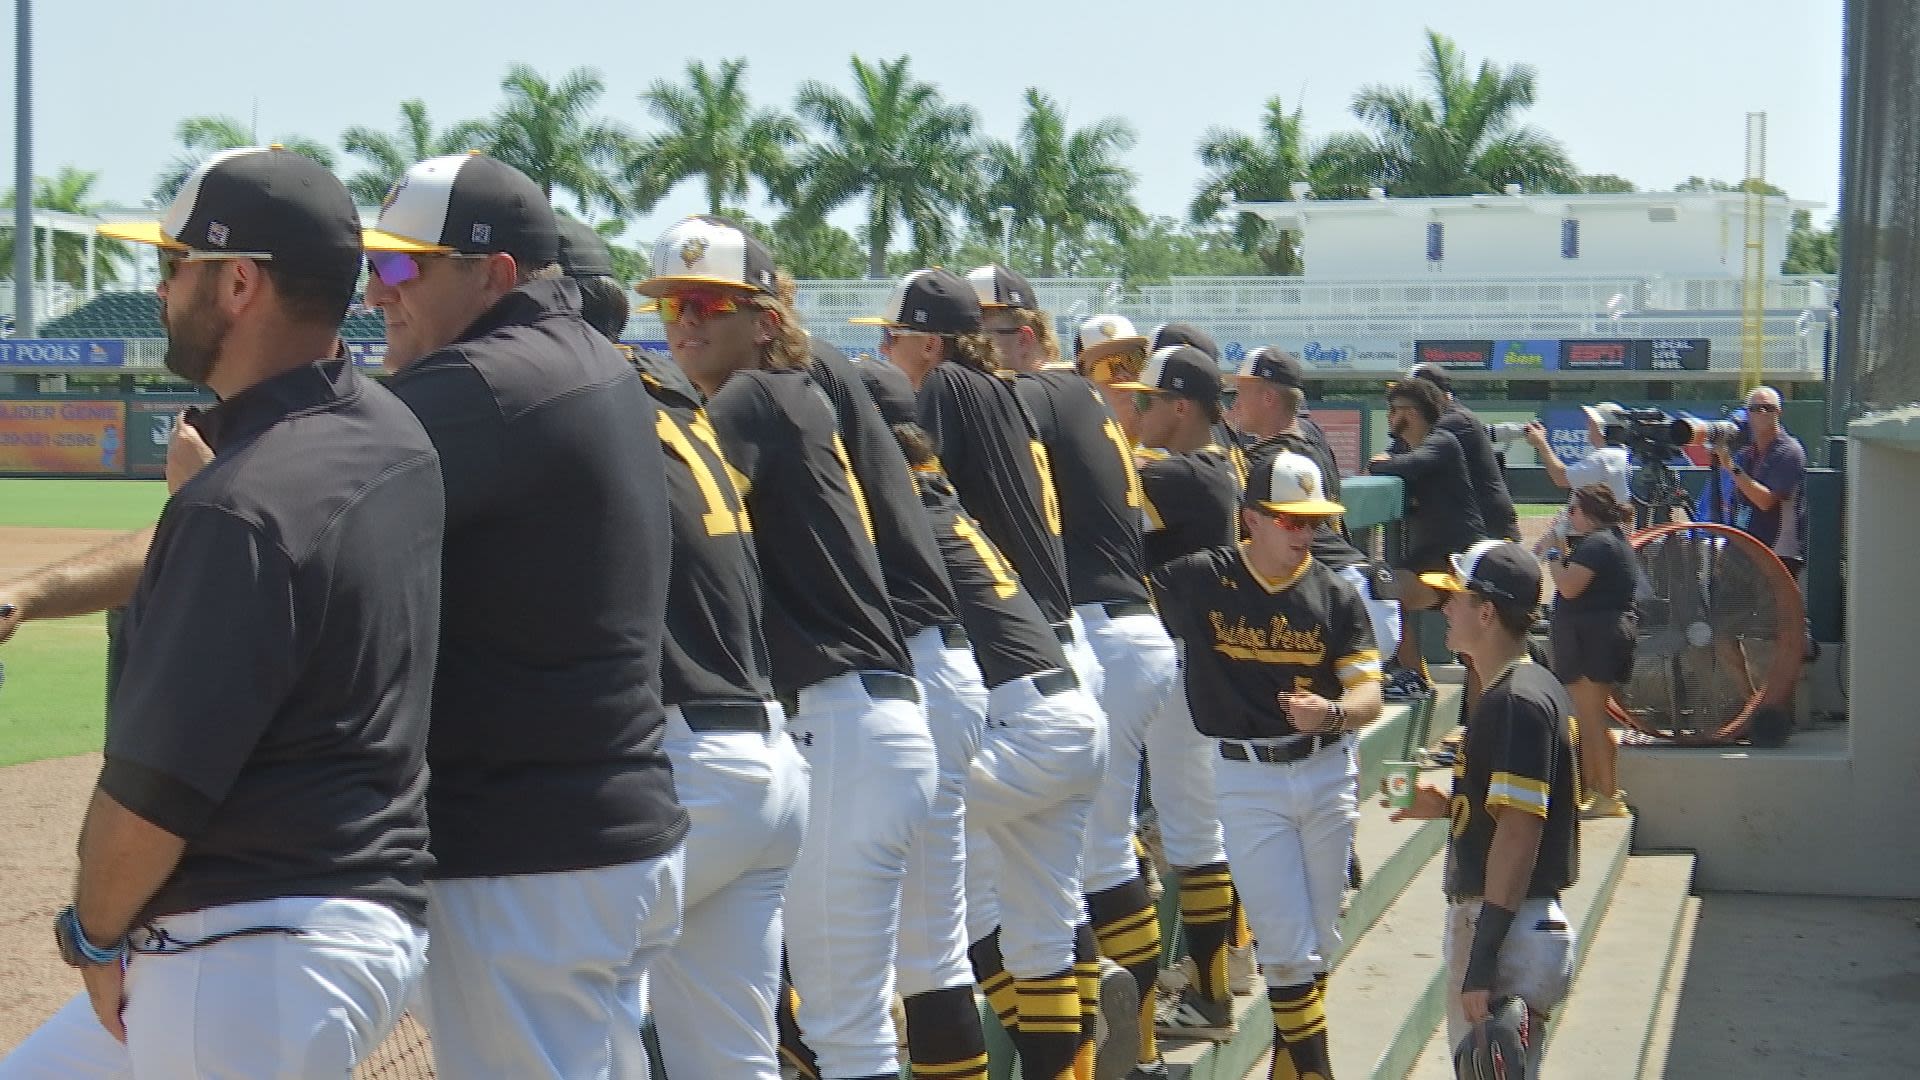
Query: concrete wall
(1833, 811)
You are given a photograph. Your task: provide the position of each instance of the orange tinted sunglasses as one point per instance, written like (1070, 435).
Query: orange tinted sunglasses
(700, 304)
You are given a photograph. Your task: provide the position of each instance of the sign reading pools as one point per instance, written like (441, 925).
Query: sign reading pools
(63, 353)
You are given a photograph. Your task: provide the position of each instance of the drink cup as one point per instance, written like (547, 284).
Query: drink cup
(1401, 776)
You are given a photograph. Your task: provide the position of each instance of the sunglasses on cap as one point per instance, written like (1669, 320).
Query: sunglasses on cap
(170, 260)
(396, 268)
(700, 304)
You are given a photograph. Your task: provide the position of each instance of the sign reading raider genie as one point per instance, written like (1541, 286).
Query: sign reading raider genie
(75, 438)
(63, 353)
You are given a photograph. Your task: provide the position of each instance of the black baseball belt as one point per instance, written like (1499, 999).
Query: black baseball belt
(1285, 753)
(715, 716)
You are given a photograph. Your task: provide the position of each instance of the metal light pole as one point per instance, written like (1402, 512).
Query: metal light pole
(1006, 236)
(23, 325)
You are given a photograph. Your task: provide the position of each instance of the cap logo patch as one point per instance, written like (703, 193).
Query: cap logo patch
(1109, 331)
(1013, 295)
(217, 234)
(692, 250)
(482, 233)
(393, 193)
(766, 278)
(920, 316)
(1305, 484)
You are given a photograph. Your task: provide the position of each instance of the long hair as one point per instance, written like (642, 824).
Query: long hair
(1042, 326)
(973, 350)
(788, 350)
(1602, 506)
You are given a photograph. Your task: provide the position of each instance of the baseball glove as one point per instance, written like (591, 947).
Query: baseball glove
(1496, 1048)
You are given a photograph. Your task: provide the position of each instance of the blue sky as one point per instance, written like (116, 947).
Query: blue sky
(1654, 90)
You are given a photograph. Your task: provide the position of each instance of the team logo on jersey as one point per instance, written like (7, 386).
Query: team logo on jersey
(692, 250)
(1278, 642)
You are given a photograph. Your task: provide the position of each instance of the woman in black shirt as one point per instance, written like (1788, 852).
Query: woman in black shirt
(1594, 632)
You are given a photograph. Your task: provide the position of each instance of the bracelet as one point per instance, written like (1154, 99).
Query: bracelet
(1336, 719)
(67, 926)
(1489, 933)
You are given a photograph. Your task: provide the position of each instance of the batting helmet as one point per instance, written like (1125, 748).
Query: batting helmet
(1496, 1048)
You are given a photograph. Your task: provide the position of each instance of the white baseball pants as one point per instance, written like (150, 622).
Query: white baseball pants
(1384, 615)
(267, 1006)
(1180, 771)
(1142, 671)
(544, 975)
(933, 900)
(714, 993)
(1535, 963)
(874, 772)
(1289, 831)
(1028, 798)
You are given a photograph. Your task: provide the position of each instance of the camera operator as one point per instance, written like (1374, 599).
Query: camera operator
(1442, 514)
(1605, 463)
(1769, 475)
(1497, 514)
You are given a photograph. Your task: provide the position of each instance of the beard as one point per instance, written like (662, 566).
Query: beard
(194, 335)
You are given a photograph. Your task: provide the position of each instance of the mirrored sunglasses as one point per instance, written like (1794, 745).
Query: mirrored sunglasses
(396, 268)
(698, 304)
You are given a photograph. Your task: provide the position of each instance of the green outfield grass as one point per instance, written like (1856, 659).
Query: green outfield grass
(82, 504)
(1538, 510)
(53, 700)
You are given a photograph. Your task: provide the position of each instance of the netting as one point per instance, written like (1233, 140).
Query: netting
(1709, 651)
(406, 1055)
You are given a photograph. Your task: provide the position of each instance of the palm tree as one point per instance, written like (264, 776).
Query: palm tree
(546, 130)
(204, 136)
(895, 141)
(713, 133)
(69, 191)
(1458, 135)
(390, 155)
(1262, 167)
(1062, 182)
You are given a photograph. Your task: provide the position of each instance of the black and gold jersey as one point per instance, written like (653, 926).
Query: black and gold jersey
(909, 558)
(826, 601)
(991, 450)
(715, 649)
(1191, 501)
(1100, 500)
(1520, 754)
(1330, 544)
(1246, 639)
(1011, 639)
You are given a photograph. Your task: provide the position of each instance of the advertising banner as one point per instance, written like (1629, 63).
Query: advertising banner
(1345, 428)
(68, 437)
(1671, 354)
(1519, 356)
(149, 427)
(1455, 355)
(63, 352)
(1596, 355)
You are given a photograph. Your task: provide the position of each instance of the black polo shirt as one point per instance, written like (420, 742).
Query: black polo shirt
(1100, 498)
(917, 584)
(280, 652)
(547, 719)
(826, 602)
(1443, 514)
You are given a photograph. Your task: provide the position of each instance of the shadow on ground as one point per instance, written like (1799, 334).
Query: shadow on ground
(1797, 986)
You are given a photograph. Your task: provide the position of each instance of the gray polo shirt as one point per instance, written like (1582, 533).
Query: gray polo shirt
(280, 652)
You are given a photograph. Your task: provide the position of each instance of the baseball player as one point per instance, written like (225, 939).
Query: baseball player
(738, 775)
(1108, 350)
(1281, 669)
(1192, 496)
(1031, 785)
(251, 891)
(990, 447)
(555, 824)
(1515, 842)
(1101, 512)
(944, 1038)
(830, 632)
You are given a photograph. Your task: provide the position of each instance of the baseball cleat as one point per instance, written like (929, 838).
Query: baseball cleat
(1190, 1016)
(1116, 1036)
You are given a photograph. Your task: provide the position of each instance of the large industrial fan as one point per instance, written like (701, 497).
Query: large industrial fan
(1722, 639)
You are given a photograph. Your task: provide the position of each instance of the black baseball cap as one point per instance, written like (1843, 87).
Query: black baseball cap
(999, 287)
(583, 253)
(932, 301)
(1182, 333)
(1432, 373)
(267, 201)
(891, 390)
(1275, 366)
(708, 250)
(1495, 569)
(471, 204)
(1181, 370)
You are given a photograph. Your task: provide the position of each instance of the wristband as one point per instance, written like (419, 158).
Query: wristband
(1489, 933)
(1336, 719)
(75, 949)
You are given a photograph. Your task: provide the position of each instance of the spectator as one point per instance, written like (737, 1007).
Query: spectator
(1442, 514)
(1769, 476)
(1594, 629)
(1605, 463)
(1483, 465)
